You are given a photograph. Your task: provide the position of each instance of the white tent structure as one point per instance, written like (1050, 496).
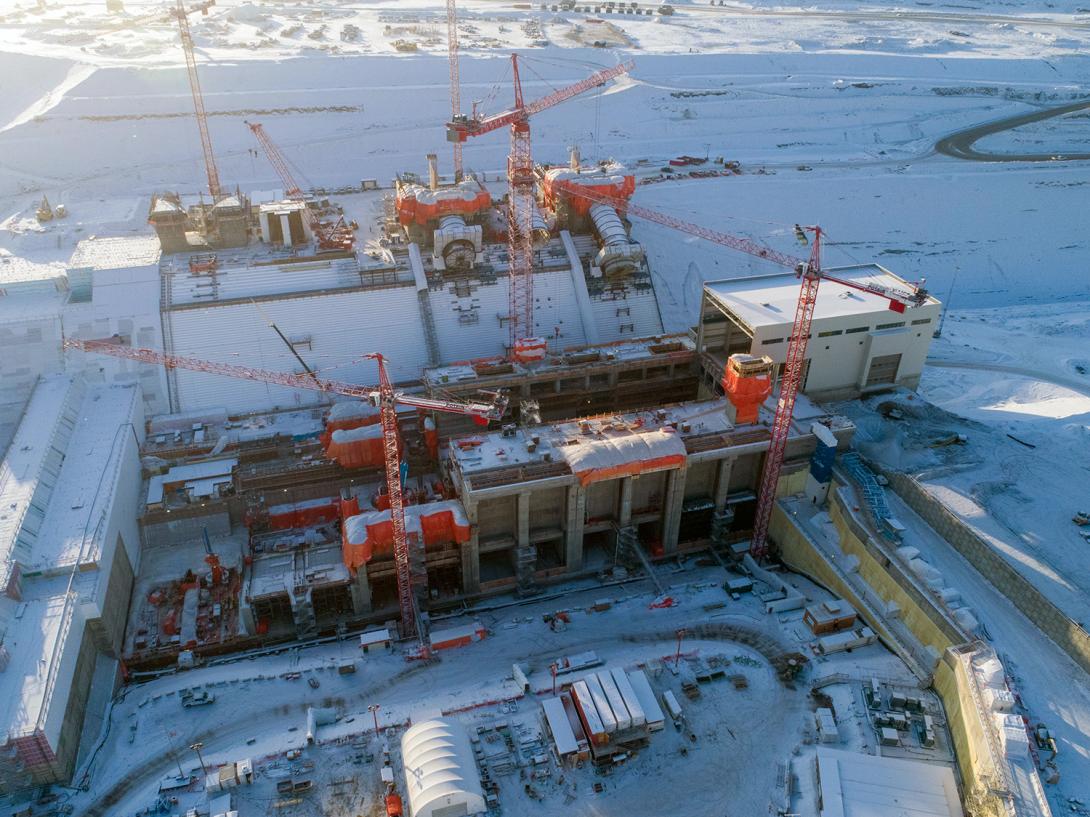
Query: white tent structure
(440, 771)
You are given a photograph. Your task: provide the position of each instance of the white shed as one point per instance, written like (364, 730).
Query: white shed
(440, 772)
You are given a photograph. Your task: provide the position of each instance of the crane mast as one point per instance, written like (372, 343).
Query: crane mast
(385, 397)
(214, 189)
(455, 81)
(520, 243)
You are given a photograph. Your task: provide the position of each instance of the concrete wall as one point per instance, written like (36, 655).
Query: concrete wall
(75, 709)
(180, 526)
(1072, 638)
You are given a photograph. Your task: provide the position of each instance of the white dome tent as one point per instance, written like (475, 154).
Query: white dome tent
(440, 771)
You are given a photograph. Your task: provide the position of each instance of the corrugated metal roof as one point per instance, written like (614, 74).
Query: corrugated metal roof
(856, 785)
(116, 253)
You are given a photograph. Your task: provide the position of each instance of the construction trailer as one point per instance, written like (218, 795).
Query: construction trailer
(857, 344)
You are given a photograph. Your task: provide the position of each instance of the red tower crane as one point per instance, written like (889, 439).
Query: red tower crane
(455, 81)
(385, 397)
(520, 177)
(214, 189)
(811, 274)
(327, 236)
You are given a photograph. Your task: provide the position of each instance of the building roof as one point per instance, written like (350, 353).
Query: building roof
(118, 252)
(440, 770)
(15, 270)
(770, 300)
(34, 645)
(87, 483)
(855, 785)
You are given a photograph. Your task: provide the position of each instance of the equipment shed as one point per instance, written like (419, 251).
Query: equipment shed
(441, 774)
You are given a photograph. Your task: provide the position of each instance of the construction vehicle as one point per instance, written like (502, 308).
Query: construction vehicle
(44, 212)
(191, 698)
(520, 177)
(1081, 518)
(811, 274)
(384, 397)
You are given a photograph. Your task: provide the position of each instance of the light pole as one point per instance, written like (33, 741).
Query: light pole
(552, 669)
(677, 657)
(196, 747)
(373, 709)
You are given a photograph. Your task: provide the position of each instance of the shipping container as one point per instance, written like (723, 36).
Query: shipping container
(588, 714)
(601, 703)
(616, 700)
(631, 701)
(673, 708)
(651, 709)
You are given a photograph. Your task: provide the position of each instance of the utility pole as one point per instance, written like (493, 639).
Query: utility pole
(677, 657)
(196, 747)
(373, 709)
(552, 669)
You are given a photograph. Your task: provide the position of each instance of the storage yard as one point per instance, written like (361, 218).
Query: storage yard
(476, 408)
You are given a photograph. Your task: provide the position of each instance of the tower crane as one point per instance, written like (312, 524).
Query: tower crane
(811, 274)
(327, 236)
(455, 81)
(214, 189)
(385, 397)
(520, 177)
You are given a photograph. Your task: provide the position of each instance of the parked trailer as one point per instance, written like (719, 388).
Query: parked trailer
(616, 701)
(673, 708)
(601, 703)
(588, 714)
(631, 701)
(651, 709)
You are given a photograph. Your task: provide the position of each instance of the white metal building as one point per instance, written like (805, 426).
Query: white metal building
(856, 785)
(857, 343)
(69, 543)
(441, 774)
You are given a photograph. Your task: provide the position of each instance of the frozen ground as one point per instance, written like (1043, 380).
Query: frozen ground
(260, 714)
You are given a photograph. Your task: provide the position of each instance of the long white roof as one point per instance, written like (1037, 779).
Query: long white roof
(770, 300)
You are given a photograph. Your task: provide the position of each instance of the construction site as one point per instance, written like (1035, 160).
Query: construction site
(412, 496)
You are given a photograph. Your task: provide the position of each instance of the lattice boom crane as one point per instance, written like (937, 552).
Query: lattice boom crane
(384, 396)
(214, 188)
(455, 81)
(520, 177)
(811, 274)
(334, 236)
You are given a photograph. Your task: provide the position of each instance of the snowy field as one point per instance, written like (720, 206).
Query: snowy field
(833, 111)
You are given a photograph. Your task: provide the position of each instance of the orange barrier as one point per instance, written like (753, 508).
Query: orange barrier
(304, 514)
(371, 533)
(418, 205)
(356, 447)
(614, 187)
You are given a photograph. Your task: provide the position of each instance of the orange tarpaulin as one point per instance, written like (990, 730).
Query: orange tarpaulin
(610, 457)
(356, 447)
(371, 533)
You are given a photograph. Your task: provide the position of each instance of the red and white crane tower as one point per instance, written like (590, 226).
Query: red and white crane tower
(455, 81)
(214, 189)
(520, 177)
(335, 236)
(811, 274)
(385, 397)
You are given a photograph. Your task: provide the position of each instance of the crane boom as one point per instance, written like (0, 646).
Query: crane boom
(898, 298)
(328, 236)
(214, 189)
(385, 397)
(455, 81)
(113, 348)
(461, 128)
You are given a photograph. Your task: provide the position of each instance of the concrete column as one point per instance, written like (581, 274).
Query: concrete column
(246, 621)
(285, 225)
(523, 515)
(624, 512)
(471, 552)
(573, 534)
(671, 513)
(722, 482)
(361, 592)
